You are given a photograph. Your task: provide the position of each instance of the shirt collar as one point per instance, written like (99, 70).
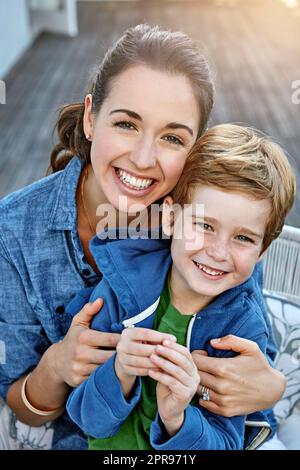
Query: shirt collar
(61, 209)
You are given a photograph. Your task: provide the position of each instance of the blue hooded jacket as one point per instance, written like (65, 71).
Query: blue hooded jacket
(133, 275)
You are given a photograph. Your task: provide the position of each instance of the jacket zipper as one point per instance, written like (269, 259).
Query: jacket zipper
(130, 322)
(189, 331)
(265, 431)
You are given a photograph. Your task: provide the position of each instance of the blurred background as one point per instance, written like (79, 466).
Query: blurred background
(48, 49)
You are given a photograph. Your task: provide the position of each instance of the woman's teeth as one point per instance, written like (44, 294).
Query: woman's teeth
(211, 272)
(132, 181)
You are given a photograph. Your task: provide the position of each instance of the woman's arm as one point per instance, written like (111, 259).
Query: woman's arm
(65, 364)
(237, 386)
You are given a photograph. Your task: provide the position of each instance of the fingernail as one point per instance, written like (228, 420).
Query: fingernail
(215, 340)
(166, 342)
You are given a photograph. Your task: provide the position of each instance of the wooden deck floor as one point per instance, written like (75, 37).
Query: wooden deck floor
(254, 48)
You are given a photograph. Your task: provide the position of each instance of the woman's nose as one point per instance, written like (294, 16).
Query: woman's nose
(144, 155)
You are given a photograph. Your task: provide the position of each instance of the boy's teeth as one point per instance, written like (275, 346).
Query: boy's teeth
(132, 181)
(207, 270)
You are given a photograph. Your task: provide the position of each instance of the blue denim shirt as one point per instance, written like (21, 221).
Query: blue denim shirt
(42, 265)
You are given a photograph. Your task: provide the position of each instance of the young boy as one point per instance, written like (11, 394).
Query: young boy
(142, 397)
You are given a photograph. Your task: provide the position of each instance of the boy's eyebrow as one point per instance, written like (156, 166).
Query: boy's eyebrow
(240, 229)
(171, 125)
(250, 232)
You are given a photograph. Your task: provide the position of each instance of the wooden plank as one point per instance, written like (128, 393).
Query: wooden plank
(253, 46)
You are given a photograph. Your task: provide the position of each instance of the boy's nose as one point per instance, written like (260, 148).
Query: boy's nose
(218, 250)
(144, 155)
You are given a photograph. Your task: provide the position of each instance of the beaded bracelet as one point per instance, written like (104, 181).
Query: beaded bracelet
(32, 408)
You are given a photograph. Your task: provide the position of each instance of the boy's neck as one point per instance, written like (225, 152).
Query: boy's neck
(187, 301)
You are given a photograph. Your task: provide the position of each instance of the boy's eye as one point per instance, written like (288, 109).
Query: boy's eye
(125, 125)
(243, 238)
(173, 139)
(204, 226)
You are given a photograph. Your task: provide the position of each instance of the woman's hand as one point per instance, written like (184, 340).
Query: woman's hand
(177, 383)
(74, 358)
(238, 385)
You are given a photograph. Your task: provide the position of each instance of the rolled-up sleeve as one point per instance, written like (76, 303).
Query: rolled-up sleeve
(22, 339)
(98, 405)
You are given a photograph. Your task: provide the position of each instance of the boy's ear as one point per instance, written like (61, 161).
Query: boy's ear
(168, 216)
(88, 118)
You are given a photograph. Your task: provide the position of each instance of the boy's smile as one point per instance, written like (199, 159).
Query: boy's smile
(210, 272)
(220, 249)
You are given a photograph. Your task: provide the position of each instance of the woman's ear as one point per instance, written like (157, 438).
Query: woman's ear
(168, 216)
(88, 118)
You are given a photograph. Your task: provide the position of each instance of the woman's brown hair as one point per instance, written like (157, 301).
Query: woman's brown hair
(172, 52)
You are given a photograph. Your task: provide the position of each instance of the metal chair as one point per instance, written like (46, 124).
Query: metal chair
(282, 265)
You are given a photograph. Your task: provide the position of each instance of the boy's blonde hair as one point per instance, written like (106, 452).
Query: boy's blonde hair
(237, 158)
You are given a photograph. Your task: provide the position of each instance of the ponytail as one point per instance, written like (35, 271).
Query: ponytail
(72, 140)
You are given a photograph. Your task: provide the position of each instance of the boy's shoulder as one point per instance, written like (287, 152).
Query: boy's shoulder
(242, 309)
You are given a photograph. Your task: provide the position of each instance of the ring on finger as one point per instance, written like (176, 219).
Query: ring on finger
(205, 393)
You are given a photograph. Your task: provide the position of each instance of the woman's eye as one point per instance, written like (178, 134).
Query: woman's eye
(243, 238)
(173, 139)
(124, 125)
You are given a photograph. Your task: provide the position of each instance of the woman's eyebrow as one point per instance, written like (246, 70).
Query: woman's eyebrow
(131, 114)
(171, 125)
(177, 125)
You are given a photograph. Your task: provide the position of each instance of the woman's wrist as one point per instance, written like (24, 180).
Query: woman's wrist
(33, 409)
(45, 381)
(279, 384)
(50, 362)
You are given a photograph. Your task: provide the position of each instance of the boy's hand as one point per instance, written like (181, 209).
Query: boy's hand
(133, 354)
(178, 380)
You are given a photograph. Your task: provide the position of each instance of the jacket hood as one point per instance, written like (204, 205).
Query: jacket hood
(122, 255)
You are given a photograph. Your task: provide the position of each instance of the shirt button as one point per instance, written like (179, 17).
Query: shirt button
(86, 272)
(60, 309)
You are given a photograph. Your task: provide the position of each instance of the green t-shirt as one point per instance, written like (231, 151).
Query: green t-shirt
(134, 432)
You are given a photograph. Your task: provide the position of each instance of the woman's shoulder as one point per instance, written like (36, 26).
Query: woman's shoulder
(19, 202)
(48, 200)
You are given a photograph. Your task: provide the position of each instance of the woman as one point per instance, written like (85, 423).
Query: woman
(149, 101)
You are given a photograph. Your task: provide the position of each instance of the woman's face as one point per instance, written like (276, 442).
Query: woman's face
(141, 136)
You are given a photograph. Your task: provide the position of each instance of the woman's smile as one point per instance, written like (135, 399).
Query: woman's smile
(136, 185)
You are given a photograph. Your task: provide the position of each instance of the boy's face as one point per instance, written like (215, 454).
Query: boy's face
(220, 248)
